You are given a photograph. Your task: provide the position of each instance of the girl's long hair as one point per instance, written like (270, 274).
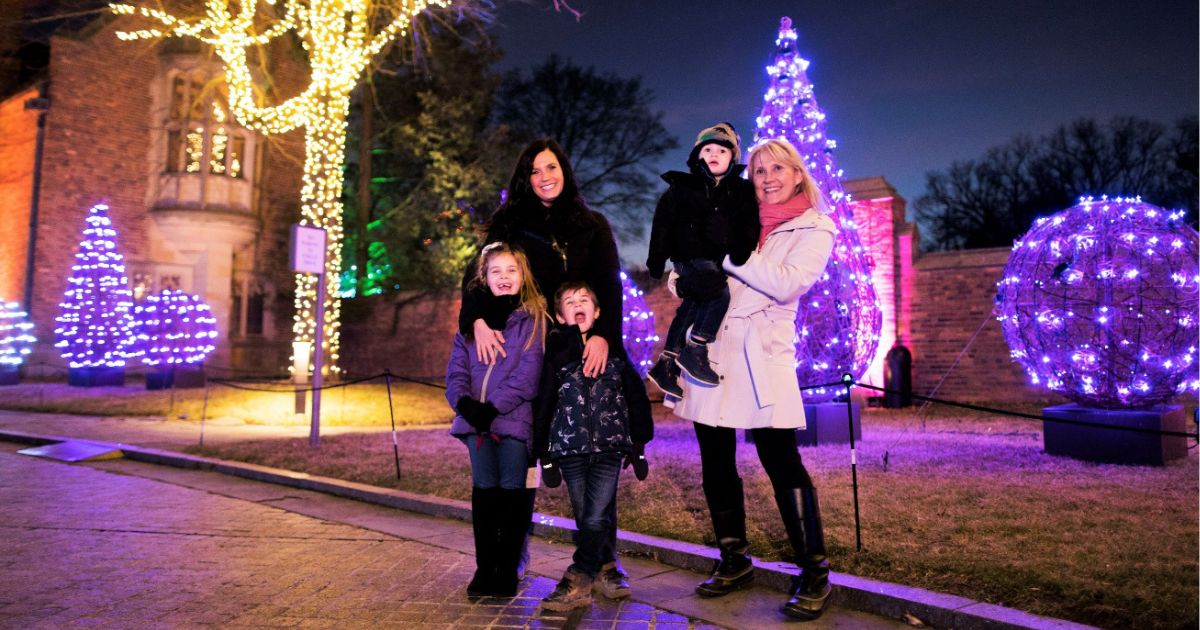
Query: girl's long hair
(783, 152)
(530, 298)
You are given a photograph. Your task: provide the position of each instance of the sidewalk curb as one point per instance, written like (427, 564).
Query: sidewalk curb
(881, 598)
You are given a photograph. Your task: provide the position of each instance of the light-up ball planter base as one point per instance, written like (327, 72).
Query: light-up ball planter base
(1114, 446)
(96, 376)
(180, 377)
(10, 375)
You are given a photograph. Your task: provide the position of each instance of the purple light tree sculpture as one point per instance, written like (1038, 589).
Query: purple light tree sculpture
(1099, 303)
(637, 326)
(16, 341)
(839, 320)
(94, 330)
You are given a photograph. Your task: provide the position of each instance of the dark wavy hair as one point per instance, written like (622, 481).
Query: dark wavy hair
(520, 191)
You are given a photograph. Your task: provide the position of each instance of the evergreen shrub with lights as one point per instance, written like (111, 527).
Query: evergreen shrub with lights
(95, 324)
(16, 341)
(175, 331)
(637, 326)
(839, 319)
(1099, 303)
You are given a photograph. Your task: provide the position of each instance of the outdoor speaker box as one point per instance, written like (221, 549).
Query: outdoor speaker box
(1114, 446)
(826, 424)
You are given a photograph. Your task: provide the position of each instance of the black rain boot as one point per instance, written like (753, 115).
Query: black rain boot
(485, 525)
(802, 519)
(515, 517)
(735, 569)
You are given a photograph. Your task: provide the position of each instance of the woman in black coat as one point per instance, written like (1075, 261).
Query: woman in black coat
(545, 215)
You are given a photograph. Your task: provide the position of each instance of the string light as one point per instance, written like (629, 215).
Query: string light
(336, 34)
(16, 336)
(637, 326)
(1096, 309)
(838, 331)
(95, 327)
(174, 328)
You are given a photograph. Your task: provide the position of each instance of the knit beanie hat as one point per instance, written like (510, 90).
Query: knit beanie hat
(721, 133)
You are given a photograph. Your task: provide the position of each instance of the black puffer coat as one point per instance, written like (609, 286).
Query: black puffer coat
(685, 210)
(563, 242)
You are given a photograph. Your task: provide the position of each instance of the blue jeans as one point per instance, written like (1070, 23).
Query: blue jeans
(704, 317)
(495, 465)
(592, 483)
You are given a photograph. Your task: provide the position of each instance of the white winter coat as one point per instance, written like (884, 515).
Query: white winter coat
(754, 351)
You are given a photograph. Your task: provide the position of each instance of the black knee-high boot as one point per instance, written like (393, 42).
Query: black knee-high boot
(485, 523)
(515, 519)
(734, 569)
(523, 563)
(802, 518)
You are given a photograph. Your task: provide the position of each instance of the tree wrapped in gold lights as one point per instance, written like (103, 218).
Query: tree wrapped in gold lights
(341, 37)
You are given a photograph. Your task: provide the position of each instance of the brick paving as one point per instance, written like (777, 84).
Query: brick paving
(122, 544)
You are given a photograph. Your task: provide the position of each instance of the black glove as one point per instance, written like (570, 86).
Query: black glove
(551, 473)
(702, 285)
(478, 415)
(718, 232)
(636, 457)
(739, 253)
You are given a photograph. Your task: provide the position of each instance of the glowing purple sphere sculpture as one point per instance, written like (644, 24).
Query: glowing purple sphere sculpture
(174, 328)
(637, 326)
(1099, 303)
(838, 322)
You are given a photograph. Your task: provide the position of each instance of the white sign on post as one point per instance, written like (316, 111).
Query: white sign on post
(308, 249)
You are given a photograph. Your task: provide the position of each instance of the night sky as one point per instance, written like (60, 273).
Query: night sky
(909, 86)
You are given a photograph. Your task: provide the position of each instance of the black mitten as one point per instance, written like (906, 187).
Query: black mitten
(478, 415)
(551, 473)
(636, 457)
(739, 253)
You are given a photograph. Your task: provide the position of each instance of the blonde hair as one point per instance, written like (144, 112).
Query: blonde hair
(530, 299)
(783, 152)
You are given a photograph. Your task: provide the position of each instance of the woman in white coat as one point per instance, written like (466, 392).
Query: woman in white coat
(758, 391)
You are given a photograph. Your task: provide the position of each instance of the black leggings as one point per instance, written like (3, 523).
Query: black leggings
(776, 450)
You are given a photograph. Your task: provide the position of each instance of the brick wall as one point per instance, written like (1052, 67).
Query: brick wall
(953, 297)
(18, 138)
(97, 129)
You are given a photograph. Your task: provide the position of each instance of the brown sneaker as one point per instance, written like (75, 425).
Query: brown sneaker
(611, 583)
(573, 591)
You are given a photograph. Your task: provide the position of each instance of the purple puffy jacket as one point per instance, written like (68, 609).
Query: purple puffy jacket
(511, 386)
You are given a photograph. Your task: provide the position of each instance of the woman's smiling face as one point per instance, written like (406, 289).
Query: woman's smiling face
(774, 181)
(547, 177)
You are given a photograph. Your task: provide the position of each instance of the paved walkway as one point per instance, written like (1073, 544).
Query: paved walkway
(126, 544)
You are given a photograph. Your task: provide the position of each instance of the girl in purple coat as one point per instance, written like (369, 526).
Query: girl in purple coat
(495, 414)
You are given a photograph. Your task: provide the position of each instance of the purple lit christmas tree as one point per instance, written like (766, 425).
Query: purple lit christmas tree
(94, 331)
(637, 326)
(839, 319)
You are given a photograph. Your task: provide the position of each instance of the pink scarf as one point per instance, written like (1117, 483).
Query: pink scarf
(772, 216)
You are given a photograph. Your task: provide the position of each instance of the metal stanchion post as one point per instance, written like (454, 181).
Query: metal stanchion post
(204, 412)
(387, 377)
(848, 381)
